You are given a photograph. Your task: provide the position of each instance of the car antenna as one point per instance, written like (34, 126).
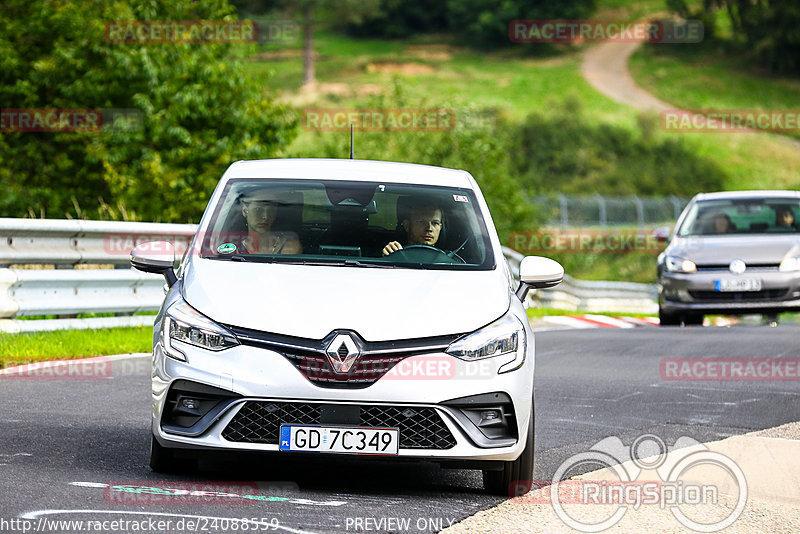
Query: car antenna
(351, 141)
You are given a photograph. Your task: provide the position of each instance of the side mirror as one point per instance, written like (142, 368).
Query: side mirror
(662, 233)
(155, 257)
(536, 272)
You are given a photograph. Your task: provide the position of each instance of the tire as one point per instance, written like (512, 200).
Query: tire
(519, 472)
(693, 319)
(163, 460)
(668, 319)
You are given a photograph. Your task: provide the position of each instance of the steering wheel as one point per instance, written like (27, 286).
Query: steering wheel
(426, 254)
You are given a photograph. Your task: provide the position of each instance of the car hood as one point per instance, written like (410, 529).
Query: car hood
(752, 249)
(311, 301)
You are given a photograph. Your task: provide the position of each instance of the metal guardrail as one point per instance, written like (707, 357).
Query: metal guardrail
(73, 242)
(589, 296)
(28, 292)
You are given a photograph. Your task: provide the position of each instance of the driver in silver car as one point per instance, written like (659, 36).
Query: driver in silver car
(423, 226)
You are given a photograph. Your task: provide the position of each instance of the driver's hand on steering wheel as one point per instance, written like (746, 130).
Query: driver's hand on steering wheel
(394, 246)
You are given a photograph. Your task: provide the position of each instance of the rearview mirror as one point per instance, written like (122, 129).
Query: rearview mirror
(537, 272)
(155, 257)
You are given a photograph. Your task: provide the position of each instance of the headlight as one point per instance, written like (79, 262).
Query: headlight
(504, 337)
(679, 265)
(185, 324)
(790, 264)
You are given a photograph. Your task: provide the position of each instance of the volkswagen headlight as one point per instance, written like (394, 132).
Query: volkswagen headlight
(185, 324)
(790, 264)
(679, 265)
(503, 338)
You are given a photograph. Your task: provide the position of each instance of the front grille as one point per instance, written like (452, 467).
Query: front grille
(309, 356)
(739, 296)
(366, 370)
(260, 422)
(751, 268)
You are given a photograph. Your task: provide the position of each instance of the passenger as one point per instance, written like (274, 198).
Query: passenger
(422, 226)
(260, 209)
(784, 218)
(722, 224)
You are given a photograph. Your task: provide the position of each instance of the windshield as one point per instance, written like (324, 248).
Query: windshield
(363, 224)
(742, 216)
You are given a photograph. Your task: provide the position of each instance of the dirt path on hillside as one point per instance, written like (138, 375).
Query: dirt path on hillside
(605, 67)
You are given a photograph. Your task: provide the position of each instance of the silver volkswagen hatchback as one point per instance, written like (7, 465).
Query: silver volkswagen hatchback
(732, 253)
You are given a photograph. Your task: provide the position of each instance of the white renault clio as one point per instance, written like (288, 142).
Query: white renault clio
(347, 307)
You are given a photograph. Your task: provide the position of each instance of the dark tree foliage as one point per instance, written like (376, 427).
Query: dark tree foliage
(199, 112)
(768, 30)
(395, 19)
(476, 22)
(485, 22)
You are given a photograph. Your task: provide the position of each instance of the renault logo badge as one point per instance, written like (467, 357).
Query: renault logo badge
(342, 352)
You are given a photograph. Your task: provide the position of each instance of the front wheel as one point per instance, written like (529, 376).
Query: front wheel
(668, 319)
(163, 460)
(515, 478)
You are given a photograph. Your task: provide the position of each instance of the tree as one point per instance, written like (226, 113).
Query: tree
(766, 29)
(199, 111)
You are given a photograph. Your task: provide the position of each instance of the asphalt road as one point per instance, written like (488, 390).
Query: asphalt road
(62, 441)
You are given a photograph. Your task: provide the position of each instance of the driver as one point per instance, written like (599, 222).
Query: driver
(423, 226)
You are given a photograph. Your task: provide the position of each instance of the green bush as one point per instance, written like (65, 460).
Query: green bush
(562, 151)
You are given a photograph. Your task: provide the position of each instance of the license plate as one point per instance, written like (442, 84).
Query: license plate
(339, 440)
(738, 284)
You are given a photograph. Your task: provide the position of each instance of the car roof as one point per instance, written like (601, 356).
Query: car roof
(349, 169)
(732, 195)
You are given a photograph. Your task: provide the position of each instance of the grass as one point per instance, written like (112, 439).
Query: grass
(535, 313)
(17, 349)
(77, 316)
(511, 81)
(701, 77)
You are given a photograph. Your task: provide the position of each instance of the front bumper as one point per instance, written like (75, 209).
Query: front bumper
(256, 379)
(696, 292)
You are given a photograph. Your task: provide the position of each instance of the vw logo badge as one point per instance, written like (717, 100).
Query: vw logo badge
(737, 267)
(342, 352)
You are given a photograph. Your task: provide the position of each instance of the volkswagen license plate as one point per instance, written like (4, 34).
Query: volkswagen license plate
(738, 284)
(339, 440)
